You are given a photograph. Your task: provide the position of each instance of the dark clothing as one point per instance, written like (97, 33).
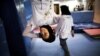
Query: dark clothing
(64, 47)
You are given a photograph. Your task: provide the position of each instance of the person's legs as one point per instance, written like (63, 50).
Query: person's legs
(64, 46)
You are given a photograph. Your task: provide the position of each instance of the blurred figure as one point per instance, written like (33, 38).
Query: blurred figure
(76, 8)
(81, 7)
(68, 26)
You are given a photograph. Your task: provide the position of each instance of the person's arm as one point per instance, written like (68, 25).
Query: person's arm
(28, 32)
(72, 31)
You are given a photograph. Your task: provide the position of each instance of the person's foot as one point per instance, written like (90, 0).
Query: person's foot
(66, 54)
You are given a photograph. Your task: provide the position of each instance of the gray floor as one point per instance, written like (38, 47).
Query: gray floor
(80, 45)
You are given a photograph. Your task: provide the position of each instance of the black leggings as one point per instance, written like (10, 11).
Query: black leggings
(64, 46)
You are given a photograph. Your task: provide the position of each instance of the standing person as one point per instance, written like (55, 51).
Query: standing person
(44, 15)
(67, 27)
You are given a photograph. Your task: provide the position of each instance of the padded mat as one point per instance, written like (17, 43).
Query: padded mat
(92, 32)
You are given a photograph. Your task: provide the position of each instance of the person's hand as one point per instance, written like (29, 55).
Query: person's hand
(72, 33)
(36, 30)
(53, 26)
